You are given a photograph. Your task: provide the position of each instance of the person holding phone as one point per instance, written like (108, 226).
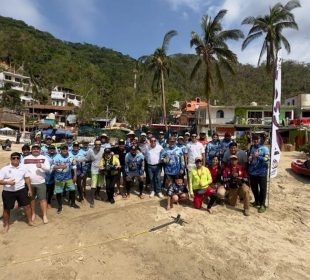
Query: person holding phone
(15, 179)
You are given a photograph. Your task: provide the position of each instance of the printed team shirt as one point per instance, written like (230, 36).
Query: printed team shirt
(76, 155)
(50, 175)
(134, 165)
(63, 174)
(172, 158)
(37, 175)
(18, 173)
(258, 166)
(225, 145)
(213, 149)
(87, 164)
(175, 189)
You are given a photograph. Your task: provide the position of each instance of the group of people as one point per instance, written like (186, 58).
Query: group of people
(192, 167)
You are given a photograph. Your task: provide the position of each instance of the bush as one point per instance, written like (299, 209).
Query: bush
(305, 149)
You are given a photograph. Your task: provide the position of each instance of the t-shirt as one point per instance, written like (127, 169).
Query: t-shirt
(194, 150)
(176, 189)
(18, 173)
(63, 174)
(152, 155)
(37, 175)
(241, 155)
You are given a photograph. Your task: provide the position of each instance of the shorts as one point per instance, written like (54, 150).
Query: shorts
(39, 191)
(131, 177)
(9, 198)
(67, 185)
(96, 180)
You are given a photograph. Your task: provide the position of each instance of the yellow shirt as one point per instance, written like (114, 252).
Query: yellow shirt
(199, 179)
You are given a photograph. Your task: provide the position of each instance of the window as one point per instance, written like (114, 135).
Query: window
(18, 80)
(8, 77)
(293, 102)
(220, 114)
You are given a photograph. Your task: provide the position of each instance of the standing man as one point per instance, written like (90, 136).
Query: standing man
(134, 168)
(259, 156)
(50, 175)
(214, 148)
(105, 141)
(226, 141)
(48, 142)
(37, 165)
(203, 139)
(94, 155)
(193, 150)
(162, 141)
(18, 135)
(65, 177)
(154, 167)
(15, 179)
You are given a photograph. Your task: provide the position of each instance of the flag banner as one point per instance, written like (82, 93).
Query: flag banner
(275, 137)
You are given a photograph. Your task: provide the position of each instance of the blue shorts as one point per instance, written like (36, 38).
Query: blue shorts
(67, 185)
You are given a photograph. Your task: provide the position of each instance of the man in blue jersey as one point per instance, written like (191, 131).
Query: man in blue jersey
(65, 176)
(44, 148)
(258, 156)
(50, 175)
(214, 148)
(225, 142)
(134, 169)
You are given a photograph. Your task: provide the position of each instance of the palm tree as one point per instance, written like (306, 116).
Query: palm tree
(214, 53)
(160, 63)
(272, 25)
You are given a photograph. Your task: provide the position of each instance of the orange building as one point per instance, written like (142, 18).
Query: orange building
(188, 111)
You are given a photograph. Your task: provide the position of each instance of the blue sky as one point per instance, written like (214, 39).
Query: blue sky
(137, 27)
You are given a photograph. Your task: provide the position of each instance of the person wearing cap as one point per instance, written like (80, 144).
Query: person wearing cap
(187, 137)
(134, 169)
(50, 175)
(199, 184)
(48, 142)
(15, 179)
(143, 146)
(105, 141)
(120, 151)
(110, 166)
(37, 165)
(203, 138)
(214, 148)
(86, 166)
(94, 155)
(25, 151)
(69, 142)
(162, 141)
(65, 177)
(258, 156)
(236, 180)
(149, 135)
(226, 141)
(193, 150)
(129, 140)
(75, 154)
(233, 150)
(180, 143)
(173, 161)
(152, 158)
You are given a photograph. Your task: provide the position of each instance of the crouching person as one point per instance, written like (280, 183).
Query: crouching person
(177, 191)
(236, 179)
(199, 181)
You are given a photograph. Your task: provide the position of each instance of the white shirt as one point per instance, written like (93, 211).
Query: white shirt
(18, 174)
(194, 150)
(153, 154)
(37, 175)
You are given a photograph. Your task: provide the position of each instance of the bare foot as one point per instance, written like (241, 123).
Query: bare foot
(33, 217)
(31, 224)
(210, 211)
(141, 196)
(45, 220)
(49, 206)
(168, 207)
(6, 228)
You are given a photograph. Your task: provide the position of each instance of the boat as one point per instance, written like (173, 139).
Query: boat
(299, 167)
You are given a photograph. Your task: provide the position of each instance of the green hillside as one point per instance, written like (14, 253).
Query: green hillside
(105, 77)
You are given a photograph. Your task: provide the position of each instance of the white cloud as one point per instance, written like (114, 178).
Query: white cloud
(195, 5)
(26, 10)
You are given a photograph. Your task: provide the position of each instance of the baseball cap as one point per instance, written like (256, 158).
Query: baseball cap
(63, 146)
(35, 146)
(121, 142)
(233, 157)
(107, 151)
(130, 133)
(180, 137)
(104, 135)
(161, 132)
(76, 143)
(143, 134)
(51, 147)
(133, 148)
(187, 133)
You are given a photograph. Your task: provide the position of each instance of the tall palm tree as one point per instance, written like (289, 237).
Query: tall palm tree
(214, 53)
(272, 25)
(160, 63)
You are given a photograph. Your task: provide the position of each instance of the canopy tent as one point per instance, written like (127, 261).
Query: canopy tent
(6, 129)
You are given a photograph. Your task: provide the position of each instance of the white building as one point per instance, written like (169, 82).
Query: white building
(219, 115)
(61, 96)
(19, 83)
(302, 104)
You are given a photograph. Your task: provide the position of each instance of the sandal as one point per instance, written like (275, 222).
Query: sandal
(125, 195)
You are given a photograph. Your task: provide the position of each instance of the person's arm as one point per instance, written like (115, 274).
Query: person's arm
(28, 184)
(190, 183)
(45, 166)
(209, 177)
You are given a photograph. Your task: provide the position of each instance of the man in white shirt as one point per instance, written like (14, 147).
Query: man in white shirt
(37, 165)
(194, 149)
(14, 177)
(152, 156)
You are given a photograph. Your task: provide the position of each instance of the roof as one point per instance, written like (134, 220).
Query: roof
(51, 107)
(191, 106)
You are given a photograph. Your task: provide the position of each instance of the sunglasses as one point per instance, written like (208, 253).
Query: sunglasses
(198, 161)
(15, 158)
(194, 136)
(153, 140)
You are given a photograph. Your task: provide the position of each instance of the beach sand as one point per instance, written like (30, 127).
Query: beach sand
(113, 242)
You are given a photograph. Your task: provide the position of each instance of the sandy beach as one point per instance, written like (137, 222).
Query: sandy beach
(114, 242)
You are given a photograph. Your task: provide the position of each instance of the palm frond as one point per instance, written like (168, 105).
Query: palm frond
(251, 38)
(219, 77)
(233, 34)
(290, 5)
(249, 20)
(167, 39)
(285, 43)
(195, 69)
(262, 52)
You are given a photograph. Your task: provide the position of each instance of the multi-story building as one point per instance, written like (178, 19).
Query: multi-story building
(61, 96)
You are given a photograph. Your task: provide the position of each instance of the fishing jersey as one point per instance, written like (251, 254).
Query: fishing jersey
(176, 189)
(213, 149)
(182, 147)
(87, 164)
(162, 142)
(225, 144)
(258, 166)
(134, 165)
(50, 175)
(172, 158)
(63, 174)
(79, 166)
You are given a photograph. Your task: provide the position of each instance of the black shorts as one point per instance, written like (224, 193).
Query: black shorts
(9, 198)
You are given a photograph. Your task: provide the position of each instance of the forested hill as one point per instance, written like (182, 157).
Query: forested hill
(105, 77)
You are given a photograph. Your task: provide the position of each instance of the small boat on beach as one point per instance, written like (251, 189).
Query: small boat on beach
(299, 167)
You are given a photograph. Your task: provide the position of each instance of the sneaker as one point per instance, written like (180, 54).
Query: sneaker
(255, 204)
(59, 210)
(152, 194)
(74, 205)
(246, 212)
(160, 195)
(92, 205)
(262, 209)
(112, 201)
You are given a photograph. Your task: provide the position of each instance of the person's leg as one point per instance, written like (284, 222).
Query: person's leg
(262, 190)
(6, 220)
(254, 186)
(157, 183)
(50, 192)
(94, 179)
(33, 202)
(43, 205)
(24, 201)
(110, 185)
(233, 196)
(27, 210)
(100, 183)
(41, 192)
(59, 202)
(140, 179)
(150, 172)
(118, 183)
(198, 198)
(70, 186)
(129, 182)
(59, 188)
(107, 187)
(79, 188)
(211, 202)
(147, 177)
